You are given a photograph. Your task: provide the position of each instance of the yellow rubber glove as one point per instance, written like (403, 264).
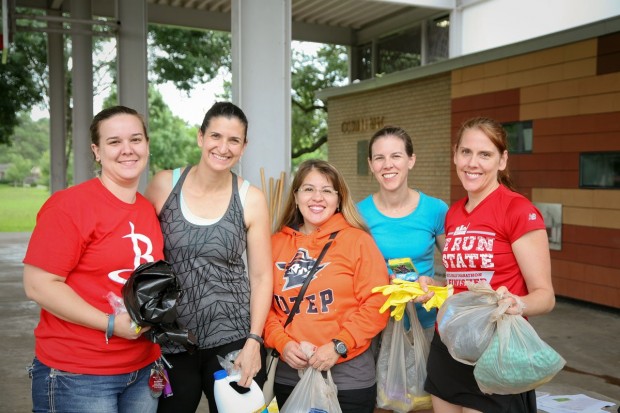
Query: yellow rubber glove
(400, 292)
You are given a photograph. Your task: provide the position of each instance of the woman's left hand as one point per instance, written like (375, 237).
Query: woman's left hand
(248, 362)
(324, 357)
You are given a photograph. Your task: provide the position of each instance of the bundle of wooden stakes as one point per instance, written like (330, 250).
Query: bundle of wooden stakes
(273, 194)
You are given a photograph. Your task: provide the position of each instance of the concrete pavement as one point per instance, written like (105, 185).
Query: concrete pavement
(585, 335)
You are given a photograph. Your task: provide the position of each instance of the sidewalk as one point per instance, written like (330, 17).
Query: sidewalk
(586, 336)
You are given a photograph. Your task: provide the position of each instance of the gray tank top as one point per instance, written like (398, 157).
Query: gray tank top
(208, 260)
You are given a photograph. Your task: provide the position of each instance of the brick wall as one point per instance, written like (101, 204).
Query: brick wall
(422, 108)
(571, 94)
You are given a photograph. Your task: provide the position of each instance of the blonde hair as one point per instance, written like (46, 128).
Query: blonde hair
(291, 216)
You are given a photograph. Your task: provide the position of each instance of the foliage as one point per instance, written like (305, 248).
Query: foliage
(29, 144)
(311, 73)
(22, 80)
(19, 207)
(188, 57)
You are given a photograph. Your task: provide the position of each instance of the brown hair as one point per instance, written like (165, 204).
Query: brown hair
(395, 131)
(291, 216)
(497, 135)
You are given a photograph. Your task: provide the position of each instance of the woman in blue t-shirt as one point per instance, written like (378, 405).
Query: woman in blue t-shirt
(405, 223)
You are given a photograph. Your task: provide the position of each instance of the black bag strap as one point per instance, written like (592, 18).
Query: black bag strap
(304, 287)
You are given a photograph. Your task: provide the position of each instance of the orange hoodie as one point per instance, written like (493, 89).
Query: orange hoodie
(338, 302)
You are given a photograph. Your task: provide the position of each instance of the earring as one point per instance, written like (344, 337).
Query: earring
(98, 159)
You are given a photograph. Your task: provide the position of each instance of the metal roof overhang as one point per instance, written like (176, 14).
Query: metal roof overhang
(345, 22)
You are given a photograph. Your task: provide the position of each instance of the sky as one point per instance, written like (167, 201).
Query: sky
(189, 108)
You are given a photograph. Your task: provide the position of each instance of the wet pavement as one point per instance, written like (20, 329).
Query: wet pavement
(585, 335)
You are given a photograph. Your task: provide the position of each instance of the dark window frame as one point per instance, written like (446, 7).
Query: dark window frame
(596, 159)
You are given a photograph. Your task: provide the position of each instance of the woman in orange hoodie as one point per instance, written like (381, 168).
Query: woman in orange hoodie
(338, 312)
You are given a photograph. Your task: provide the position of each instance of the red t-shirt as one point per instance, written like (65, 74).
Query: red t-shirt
(478, 243)
(95, 240)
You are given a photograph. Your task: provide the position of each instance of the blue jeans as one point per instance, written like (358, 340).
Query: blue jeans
(60, 391)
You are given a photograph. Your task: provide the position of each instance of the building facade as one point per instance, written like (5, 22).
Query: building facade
(558, 95)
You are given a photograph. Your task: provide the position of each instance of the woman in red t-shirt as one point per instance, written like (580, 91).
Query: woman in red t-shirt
(494, 235)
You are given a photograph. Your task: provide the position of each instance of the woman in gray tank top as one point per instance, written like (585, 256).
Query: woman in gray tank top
(208, 220)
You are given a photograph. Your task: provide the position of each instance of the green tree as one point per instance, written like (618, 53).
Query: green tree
(19, 170)
(22, 80)
(190, 57)
(311, 73)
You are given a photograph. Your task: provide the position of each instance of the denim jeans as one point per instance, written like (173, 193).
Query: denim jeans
(59, 391)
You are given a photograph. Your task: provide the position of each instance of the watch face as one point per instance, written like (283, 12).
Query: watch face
(341, 348)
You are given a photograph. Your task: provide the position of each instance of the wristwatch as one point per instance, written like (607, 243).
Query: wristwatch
(340, 347)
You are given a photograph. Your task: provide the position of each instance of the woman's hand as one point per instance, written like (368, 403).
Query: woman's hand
(514, 303)
(424, 282)
(248, 362)
(324, 357)
(294, 356)
(123, 327)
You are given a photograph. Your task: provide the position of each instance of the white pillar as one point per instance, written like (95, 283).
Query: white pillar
(82, 78)
(261, 68)
(132, 61)
(56, 64)
(455, 48)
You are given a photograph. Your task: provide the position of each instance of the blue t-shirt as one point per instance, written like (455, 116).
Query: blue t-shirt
(411, 236)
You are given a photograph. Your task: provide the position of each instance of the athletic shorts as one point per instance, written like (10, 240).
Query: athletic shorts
(455, 383)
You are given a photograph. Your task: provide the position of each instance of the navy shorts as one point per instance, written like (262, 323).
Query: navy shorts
(455, 383)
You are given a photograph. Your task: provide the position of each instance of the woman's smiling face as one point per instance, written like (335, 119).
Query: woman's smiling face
(317, 200)
(223, 142)
(478, 162)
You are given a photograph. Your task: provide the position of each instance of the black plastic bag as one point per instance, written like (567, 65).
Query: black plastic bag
(150, 296)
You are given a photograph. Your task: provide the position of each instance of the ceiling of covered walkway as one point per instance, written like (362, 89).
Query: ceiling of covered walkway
(346, 22)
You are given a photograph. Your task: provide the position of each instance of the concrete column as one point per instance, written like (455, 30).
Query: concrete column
(132, 61)
(261, 66)
(82, 78)
(56, 64)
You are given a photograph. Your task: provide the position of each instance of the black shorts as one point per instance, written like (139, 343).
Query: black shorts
(455, 383)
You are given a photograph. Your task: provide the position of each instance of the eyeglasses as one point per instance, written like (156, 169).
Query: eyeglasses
(310, 191)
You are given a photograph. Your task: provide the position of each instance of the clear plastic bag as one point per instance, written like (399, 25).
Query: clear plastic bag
(517, 359)
(466, 321)
(401, 366)
(313, 393)
(228, 363)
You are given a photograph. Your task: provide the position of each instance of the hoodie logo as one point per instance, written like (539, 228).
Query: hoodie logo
(296, 271)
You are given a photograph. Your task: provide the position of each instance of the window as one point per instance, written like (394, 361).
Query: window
(599, 170)
(400, 51)
(426, 42)
(363, 61)
(520, 136)
(437, 39)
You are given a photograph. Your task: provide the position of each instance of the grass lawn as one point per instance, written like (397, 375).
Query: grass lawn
(19, 207)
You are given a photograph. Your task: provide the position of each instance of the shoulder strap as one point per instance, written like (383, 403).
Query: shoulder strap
(304, 287)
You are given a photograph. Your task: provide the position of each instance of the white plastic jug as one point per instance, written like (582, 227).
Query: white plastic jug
(229, 400)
